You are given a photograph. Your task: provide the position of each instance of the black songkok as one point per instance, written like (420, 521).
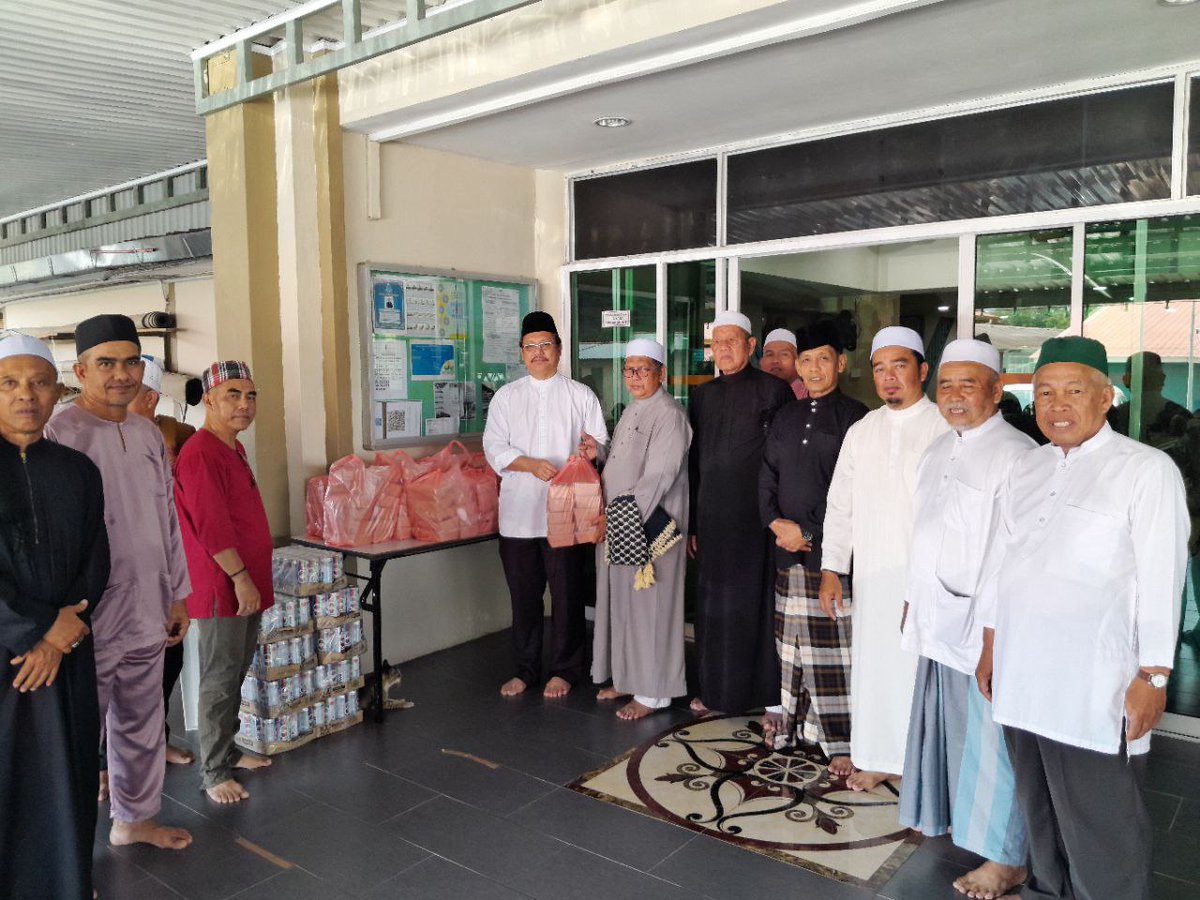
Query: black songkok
(820, 334)
(538, 321)
(102, 329)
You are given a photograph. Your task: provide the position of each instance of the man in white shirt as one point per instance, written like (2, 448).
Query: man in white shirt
(534, 425)
(868, 516)
(957, 775)
(1080, 606)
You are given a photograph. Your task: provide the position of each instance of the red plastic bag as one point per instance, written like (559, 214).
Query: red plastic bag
(486, 484)
(314, 507)
(575, 506)
(441, 502)
(346, 507)
(404, 469)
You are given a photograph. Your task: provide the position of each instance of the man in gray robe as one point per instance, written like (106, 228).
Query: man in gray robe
(639, 610)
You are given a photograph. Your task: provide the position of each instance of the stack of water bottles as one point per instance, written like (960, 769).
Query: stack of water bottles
(299, 687)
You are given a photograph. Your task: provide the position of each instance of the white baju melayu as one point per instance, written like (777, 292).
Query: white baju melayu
(868, 517)
(1084, 587)
(957, 775)
(544, 419)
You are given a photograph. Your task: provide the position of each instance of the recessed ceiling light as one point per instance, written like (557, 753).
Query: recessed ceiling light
(943, 309)
(1176, 2)
(612, 121)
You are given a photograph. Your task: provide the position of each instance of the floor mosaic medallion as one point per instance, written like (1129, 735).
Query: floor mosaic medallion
(715, 775)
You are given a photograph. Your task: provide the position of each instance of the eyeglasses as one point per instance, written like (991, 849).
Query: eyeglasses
(638, 372)
(542, 345)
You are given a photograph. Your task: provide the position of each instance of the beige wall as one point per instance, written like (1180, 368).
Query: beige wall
(443, 211)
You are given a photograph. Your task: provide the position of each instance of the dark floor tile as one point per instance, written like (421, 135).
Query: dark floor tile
(603, 735)
(366, 792)
(603, 828)
(571, 872)
(440, 879)
(339, 848)
(1163, 809)
(945, 848)
(1169, 777)
(495, 847)
(1187, 820)
(114, 875)
(500, 790)
(1164, 888)
(924, 876)
(150, 889)
(716, 869)
(272, 800)
(1175, 855)
(293, 884)
(1174, 750)
(532, 754)
(212, 868)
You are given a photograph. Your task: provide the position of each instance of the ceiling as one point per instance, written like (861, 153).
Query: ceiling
(94, 94)
(98, 93)
(945, 53)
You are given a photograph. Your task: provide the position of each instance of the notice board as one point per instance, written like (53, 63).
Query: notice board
(436, 346)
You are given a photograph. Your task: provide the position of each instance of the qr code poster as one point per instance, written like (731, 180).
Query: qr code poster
(397, 419)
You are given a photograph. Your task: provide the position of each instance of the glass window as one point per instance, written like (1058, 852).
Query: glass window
(646, 211)
(1022, 298)
(1193, 164)
(1080, 151)
(691, 303)
(599, 344)
(1141, 292)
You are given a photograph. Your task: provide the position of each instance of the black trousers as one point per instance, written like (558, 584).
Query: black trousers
(1089, 829)
(172, 666)
(530, 564)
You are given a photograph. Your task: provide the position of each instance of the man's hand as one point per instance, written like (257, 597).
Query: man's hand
(539, 468)
(249, 601)
(1144, 705)
(693, 546)
(790, 536)
(68, 629)
(831, 593)
(983, 669)
(177, 623)
(588, 447)
(38, 667)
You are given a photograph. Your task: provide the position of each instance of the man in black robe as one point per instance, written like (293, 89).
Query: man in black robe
(53, 567)
(735, 602)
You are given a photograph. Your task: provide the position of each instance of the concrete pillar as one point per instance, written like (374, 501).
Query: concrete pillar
(241, 184)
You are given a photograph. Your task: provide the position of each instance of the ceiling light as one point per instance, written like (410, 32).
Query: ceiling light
(1176, 2)
(943, 309)
(612, 121)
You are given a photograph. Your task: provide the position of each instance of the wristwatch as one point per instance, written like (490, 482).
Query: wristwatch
(1156, 680)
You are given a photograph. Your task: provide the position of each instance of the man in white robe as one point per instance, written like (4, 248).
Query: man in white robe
(639, 626)
(957, 775)
(868, 519)
(1080, 603)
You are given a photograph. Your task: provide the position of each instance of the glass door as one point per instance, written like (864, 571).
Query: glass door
(1140, 295)
(610, 307)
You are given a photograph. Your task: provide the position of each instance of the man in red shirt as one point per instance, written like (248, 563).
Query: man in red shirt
(228, 545)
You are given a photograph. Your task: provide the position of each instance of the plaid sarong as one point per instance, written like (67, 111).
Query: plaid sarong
(814, 651)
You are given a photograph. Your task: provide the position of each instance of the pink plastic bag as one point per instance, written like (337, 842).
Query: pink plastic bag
(441, 502)
(314, 507)
(486, 484)
(575, 506)
(346, 507)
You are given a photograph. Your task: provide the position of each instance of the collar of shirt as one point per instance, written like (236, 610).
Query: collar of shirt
(1091, 445)
(982, 430)
(908, 412)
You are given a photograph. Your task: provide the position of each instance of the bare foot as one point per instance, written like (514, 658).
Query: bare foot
(697, 706)
(771, 723)
(990, 881)
(150, 832)
(227, 792)
(633, 710)
(609, 694)
(178, 756)
(557, 687)
(867, 781)
(246, 761)
(103, 795)
(841, 767)
(512, 687)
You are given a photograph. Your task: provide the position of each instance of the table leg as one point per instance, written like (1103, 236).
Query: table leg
(376, 585)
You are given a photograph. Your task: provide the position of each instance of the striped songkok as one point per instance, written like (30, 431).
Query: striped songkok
(227, 370)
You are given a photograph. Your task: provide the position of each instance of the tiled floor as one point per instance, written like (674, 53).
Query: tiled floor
(381, 812)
